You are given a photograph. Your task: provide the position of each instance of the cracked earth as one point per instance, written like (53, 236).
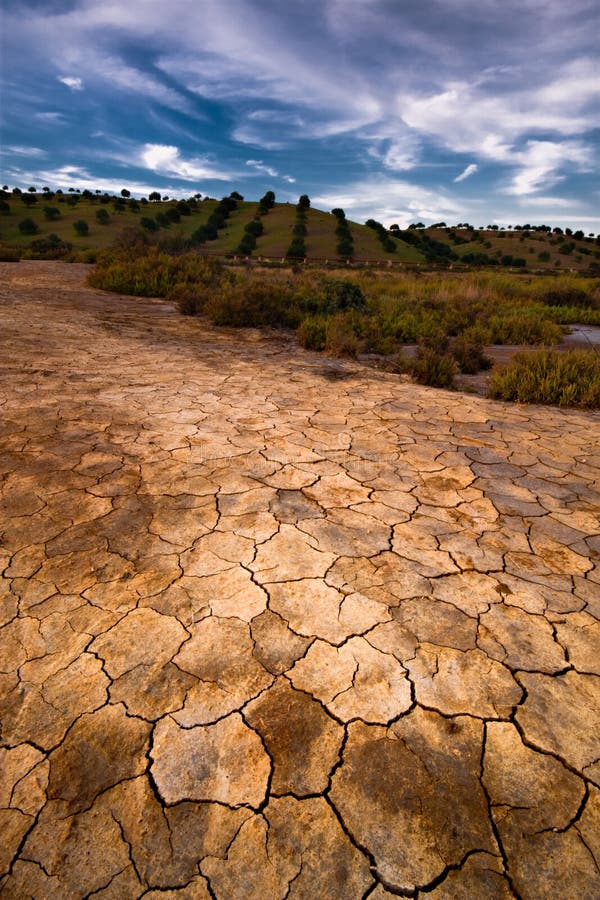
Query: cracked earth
(278, 626)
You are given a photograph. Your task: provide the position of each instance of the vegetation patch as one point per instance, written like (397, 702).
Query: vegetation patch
(571, 378)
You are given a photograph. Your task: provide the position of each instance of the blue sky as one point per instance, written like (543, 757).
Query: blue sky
(484, 111)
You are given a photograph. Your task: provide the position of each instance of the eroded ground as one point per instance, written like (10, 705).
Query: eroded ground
(276, 626)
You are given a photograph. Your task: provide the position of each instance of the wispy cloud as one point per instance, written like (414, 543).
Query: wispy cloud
(391, 201)
(25, 151)
(342, 90)
(543, 163)
(466, 173)
(259, 166)
(75, 84)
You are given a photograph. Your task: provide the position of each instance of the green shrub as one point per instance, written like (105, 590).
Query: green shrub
(571, 378)
(340, 338)
(28, 226)
(433, 368)
(251, 302)
(81, 227)
(52, 213)
(469, 356)
(312, 333)
(189, 299)
(568, 297)
(51, 247)
(103, 217)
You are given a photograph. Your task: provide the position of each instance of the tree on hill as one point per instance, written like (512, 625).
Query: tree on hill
(304, 201)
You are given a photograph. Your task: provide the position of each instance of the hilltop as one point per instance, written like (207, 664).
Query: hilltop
(75, 225)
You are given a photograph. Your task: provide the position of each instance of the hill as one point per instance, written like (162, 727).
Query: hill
(76, 225)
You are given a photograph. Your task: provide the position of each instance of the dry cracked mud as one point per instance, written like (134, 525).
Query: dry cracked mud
(277, 626)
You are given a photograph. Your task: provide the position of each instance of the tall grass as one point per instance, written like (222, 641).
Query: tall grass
(571, 378)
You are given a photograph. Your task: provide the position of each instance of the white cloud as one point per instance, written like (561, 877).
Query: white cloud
(56, 117)
(167, 160)
(80, 178)
(25, 151)
(541, 163)
(466, 173)
(389, 201)
(260, 167)
(76, 84)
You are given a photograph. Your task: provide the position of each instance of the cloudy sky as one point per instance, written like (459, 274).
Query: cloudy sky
(462, 110)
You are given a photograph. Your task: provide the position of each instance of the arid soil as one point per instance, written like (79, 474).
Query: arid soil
(277, 626)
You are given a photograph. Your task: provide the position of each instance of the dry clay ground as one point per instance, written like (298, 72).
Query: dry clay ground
(277, 626)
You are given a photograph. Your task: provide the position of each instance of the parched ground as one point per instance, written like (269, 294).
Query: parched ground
(277, 626)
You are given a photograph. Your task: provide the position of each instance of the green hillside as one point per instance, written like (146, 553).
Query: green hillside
(34, 224)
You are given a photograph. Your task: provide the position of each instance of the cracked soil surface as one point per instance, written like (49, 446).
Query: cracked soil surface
(277, 626)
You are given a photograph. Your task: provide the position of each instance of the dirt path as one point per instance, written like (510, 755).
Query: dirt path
(277, 626)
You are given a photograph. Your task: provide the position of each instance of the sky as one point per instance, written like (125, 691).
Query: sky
(479, 111)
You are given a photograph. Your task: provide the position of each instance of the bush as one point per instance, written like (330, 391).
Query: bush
(250, 302)
(189, 299)
(433, 368)
(51, 247)
(568, 297)
(4, 207)
(146, 272)
(148, 223)
(340, 337)
(7, 254)
(51, 213)
(81, 227)
(469, 356)
(28, 226)
(571, 378)
(312, 333)
(297, 249)
(103, 217)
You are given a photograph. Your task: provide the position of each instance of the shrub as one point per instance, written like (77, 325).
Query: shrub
(7, 254)
(51, 247)
(81, 227)
(4, 207)
(254, 227)
(252, 302)
(469, 356)
(571, 378)
(340, 337)
(51, 213)
(312, 333)
(28, 226)
(147, 223)
(433, 368)
(568, 297)
(297, 249)
(103, 217)
(189, 299)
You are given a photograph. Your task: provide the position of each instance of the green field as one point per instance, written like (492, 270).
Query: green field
(533, 250)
